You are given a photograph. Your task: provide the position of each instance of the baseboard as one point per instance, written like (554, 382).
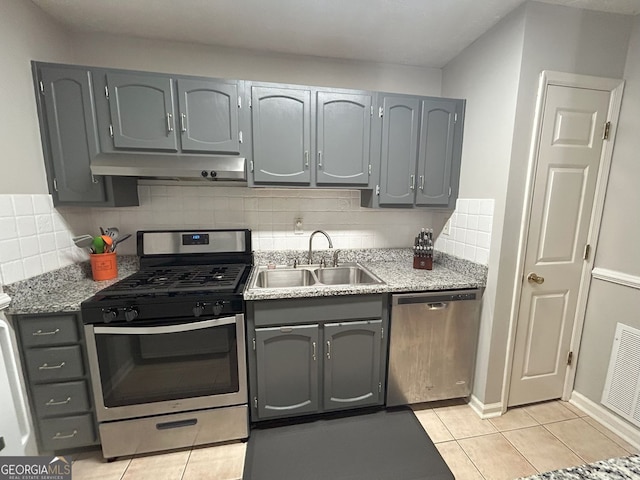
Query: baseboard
(490, 410)
(627, 432)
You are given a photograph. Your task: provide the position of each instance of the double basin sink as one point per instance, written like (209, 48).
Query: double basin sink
(313, 275)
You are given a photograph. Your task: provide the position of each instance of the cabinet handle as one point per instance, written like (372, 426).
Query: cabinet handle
(320, 159)
(328, 350)
(169, 123)
(94, 179)
(422, 182)
(412, 182)
(306, 159)
(53, 367)
(40, 333)
(52, 402)
(58, 436)
(313, 346)
(183, 122)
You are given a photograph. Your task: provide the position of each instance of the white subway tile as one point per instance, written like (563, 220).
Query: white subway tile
(26, 226)
(42, 204)
(486, 206)
(474, 206)
(63, 240)
(484, 223)
(462, 220)
(6, 206)
(32, 266)
(463, 205)
(482, 256)
(472, 222)
(8, 228)
(469, 252)
(29, 246)
(484, 240)
(22, 205)
(459, 250)
(471, 238)
(47, 243)
(50, 262)
(12, 272)
(10, 250)
(460, 234)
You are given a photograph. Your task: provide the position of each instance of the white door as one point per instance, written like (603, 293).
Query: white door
(570, 148)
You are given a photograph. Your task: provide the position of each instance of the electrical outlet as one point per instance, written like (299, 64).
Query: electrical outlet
(297, 227)
(447, 226)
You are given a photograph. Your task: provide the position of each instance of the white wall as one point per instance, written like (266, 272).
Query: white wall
(618, 243)
(486, 74)
(26, 33)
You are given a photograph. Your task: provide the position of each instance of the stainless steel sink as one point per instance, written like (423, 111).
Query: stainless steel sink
(344, 275)
(312, 275)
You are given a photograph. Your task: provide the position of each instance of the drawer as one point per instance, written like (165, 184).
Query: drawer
(58, 399)
(54, 364)
(49, 330)
(67, 432)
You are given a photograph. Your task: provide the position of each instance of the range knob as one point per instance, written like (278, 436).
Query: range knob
(130, 313)
(204, 173)
(109, 314)
(217, 308)
(213, 174)
(199, 309)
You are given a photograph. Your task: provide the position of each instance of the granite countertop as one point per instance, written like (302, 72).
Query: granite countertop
(63, 290)
(623, 468)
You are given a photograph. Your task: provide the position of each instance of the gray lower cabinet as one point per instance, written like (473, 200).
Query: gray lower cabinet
(316, 355)
(53, 355)
(421, 149)
(69, 138)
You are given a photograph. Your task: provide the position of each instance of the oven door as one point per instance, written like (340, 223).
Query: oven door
(139, 371)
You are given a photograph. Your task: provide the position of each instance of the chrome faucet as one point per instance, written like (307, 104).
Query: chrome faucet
(310, 240)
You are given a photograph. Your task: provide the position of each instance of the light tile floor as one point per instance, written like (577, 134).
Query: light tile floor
(522, 442)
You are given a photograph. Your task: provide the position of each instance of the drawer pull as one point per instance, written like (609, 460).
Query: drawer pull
(53, 402)
(40, 333)
(180, 423)
(59, 436)
(53, 367)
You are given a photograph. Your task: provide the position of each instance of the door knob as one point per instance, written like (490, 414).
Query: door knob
(533, 278)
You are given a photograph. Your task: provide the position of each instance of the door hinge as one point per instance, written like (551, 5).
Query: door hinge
(570, 358)
(111, 131)
(372, 110)
(106, 91)
(455, 118)
(240, 136)
(41, 87)
(251, 165)
(254, 343)
(369, 169)
(255, 402)
(607, 131)
(381, 112)
(379, 387)
(239, 101)
(55, 184)
(587, 251)
(378, 190)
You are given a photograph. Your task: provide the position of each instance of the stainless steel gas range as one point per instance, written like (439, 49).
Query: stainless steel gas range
(166, 345)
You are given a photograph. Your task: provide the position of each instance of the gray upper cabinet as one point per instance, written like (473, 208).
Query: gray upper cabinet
(400, 124)
(142, 113)
(343, 138)
(436, 152)
(287, 370)
(281, 122)
(208, 116)
(68, 129)
(352, 364)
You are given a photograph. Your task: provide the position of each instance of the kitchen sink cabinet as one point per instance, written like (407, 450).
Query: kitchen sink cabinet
(68, 129)
(149, 112)
(55, 366)
(316, 355)
(421, 147)
(308, 136)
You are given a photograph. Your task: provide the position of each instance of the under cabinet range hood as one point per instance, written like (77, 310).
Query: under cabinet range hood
(171, 167)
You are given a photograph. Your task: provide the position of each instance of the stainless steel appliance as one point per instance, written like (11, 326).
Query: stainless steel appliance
(432, 345)
(166, 345)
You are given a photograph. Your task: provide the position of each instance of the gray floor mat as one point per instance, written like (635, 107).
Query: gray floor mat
(385, 445)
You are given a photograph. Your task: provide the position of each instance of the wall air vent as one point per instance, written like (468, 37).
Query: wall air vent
(622, 387)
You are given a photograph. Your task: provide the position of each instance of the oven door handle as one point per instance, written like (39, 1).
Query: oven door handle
(183, 327)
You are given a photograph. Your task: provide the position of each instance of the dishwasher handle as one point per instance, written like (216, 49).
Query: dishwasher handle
(437, 306)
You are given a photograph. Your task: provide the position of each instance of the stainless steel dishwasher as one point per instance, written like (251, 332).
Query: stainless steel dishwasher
(432, 350)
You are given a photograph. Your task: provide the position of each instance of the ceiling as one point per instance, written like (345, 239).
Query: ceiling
(414, 32)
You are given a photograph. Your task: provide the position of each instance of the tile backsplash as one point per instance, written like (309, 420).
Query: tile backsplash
(469, 230)
(36, 238)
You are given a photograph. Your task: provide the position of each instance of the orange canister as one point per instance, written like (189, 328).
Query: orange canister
(104, 266)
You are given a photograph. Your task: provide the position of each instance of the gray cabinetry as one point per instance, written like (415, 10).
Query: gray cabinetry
(281, 123)
(316, 355)
(421, 147)
(287, 370)
(69, 137)
(53, 354)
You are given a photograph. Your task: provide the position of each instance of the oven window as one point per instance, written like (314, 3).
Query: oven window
(143, 368)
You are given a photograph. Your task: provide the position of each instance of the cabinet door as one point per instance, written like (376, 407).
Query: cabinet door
(142, 113)
(352, 364)
(71, 129)
(399, 150)
(436, 152)
(281, 119)
(208, 116)
(287, 367)
(344, 132)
